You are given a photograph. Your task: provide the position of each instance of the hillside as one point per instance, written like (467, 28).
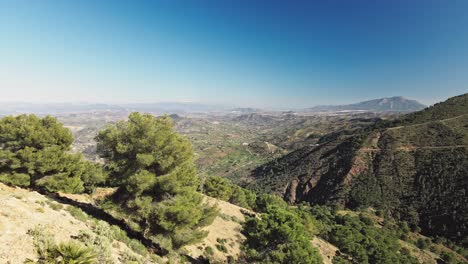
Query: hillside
(414, 168)
(145, 203)
(391, 104)
(27, 218)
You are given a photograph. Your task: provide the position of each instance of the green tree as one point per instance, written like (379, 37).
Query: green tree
(153, 167)
(33, 152)
(223, 189)
(218, 187)
(278, 236)
(243, 197)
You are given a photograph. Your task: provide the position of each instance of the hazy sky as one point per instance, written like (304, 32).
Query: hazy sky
(257, 53)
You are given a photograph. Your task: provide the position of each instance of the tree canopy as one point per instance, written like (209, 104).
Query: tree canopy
(278, 236)
(33, 152)
(153, 167)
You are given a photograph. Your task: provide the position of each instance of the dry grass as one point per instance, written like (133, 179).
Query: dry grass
(327, 250)
(225, 227)
(19, 213)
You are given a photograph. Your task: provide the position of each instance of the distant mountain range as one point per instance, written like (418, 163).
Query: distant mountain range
(65, 108)
(391, 104)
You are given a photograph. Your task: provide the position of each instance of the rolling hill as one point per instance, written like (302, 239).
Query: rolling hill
(414, 168)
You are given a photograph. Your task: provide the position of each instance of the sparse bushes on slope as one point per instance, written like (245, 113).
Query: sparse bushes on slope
(413, 167)
(63, 253)
(278, 236)
(359, 239)
(77, 213)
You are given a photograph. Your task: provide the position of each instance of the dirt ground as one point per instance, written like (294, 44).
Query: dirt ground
(226, 226)
(22, 210)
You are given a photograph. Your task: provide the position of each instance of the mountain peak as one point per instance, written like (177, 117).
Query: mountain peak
(386, 104)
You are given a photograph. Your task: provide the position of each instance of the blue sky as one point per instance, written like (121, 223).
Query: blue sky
(246, 53)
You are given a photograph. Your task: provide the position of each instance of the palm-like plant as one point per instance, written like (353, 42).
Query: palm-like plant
(74, 253)
(66, 253)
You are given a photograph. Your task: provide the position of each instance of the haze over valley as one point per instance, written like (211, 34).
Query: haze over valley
(266, 132)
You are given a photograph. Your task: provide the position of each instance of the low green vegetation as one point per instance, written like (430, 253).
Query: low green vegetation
(54, 205)
(278, 235)
(412, 168)
(77, 213)
(360, 238)
(66, 253)
(158, 194)
(222, 189)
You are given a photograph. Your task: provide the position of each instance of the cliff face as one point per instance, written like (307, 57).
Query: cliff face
(415, 168)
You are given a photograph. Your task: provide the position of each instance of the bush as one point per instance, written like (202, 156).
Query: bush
(209, 251)
(74, 253)
(17, 179)
(221, 248)
(55, 206)
(278, 236)
(49, 252)
(43, 240)
(137, 247)
(264, 201)
(448, 257)
(222, 189)
(366, 243)
(242, 197)
(218, 187)
(423, 243)
(365, 219)
(77, 213)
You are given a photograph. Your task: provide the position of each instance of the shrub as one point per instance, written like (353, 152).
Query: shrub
(118, 234)
(137, 247)
(209, 251)
(49, 252)
(366, 243)
(73, 252)
(423, 243)
(264, 201)
(55, 206)
(221, 248)
(43, 240)
(77, 213)
(365, 219)
(18, 179)
(222, 189)
(218, 187)
(278, 236)
(448, 257)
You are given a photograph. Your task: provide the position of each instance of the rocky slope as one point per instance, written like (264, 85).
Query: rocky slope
(414, 167)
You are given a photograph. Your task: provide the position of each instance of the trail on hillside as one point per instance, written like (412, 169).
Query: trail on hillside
(413, 148)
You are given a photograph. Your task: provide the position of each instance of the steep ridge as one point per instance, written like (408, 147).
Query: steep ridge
(415, 168)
